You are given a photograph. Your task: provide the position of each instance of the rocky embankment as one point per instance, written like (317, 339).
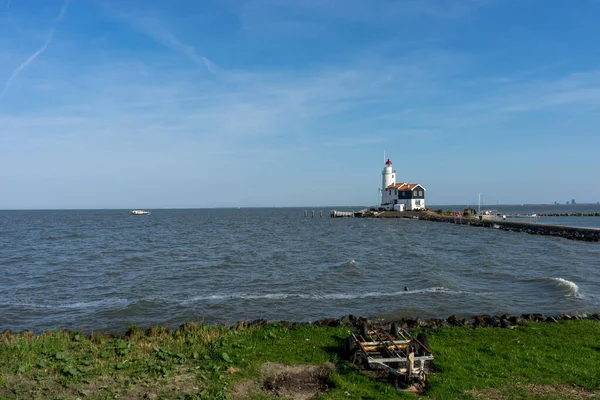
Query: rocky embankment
(569, 214)
(409, 323)
(567, 232)
(478, 321)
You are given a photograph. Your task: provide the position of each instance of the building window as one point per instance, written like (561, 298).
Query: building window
(418, 202)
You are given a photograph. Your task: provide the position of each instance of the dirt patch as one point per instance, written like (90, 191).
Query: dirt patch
(558, 391)
(298, 382)
(245, 389)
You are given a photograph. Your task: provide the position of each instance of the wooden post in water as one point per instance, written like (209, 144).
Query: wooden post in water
(313, 213)
(305, 213)
(321, 213)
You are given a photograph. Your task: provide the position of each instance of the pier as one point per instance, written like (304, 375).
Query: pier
(567, 232)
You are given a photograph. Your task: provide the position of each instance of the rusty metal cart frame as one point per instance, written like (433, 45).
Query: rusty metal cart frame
(401, 355)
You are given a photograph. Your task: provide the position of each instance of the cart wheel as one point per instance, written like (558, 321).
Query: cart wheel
(349, 347)
(394, 330)
(364, 332)
(421, 337)
(365, 363)
(399, 382)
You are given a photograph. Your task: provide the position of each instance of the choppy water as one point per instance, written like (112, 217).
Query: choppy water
(104, 270)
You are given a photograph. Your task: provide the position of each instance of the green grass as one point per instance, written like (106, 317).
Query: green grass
(566, 353)
(535, 361)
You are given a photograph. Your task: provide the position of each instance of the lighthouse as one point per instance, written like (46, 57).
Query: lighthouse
(388, 176)
(400, 196)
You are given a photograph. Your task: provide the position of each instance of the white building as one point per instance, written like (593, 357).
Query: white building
(400, 196)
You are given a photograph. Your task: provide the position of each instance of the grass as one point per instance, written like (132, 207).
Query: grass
(566, 354)
(534, 361)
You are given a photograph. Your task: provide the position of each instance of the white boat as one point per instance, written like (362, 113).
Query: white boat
(140, 212)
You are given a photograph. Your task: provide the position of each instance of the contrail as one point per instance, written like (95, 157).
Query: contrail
(163, 36)
(39, 51)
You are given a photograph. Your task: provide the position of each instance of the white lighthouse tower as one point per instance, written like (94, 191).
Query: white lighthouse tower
(388, 176)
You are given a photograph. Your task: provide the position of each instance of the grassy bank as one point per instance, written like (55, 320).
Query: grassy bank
(533, 361)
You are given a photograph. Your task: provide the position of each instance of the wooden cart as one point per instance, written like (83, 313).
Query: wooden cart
(405, 358)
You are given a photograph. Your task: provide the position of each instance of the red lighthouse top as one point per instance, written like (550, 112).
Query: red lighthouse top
(388, 162)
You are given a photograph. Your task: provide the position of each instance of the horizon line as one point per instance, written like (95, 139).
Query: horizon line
(290, 207)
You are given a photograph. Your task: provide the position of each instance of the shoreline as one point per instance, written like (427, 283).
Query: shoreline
(555, 357)
(350, 321)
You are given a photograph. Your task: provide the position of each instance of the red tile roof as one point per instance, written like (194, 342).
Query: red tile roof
(404, 186)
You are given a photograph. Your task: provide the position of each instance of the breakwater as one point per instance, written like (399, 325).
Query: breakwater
(545, 214)
(477, 321)
(567, 232)
(573, 233)
(353, 321)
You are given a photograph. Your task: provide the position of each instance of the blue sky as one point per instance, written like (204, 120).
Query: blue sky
(130, 103)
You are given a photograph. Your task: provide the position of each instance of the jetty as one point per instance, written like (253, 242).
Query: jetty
(537, 215)
(567, 232)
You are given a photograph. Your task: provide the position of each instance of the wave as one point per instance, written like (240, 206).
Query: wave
(566, 287)
(351, 263)
(134, 259)
(320, 296)
(571, 289)
(221, 265)
(14, 260)
(71, 236)
(70, 306)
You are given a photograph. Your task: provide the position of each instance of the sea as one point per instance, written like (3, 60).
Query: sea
(106, 270)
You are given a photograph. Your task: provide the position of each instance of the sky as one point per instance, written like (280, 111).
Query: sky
(277, 103)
